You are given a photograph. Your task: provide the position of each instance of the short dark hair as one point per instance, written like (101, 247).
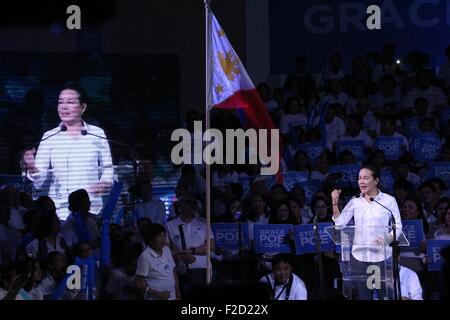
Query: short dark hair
(75, 198)
(82, 96)
(151, 231)
(282, 257)
(372, 168)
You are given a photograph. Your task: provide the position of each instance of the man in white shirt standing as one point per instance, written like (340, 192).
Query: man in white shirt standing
(284, 284)
(187, 236)
(72, 156)
(150, 207)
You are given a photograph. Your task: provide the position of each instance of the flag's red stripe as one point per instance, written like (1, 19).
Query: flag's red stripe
(256, 114)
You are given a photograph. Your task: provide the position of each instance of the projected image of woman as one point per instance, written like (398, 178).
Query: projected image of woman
(70, 157)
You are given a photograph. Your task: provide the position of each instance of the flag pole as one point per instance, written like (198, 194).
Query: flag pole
(207, 126)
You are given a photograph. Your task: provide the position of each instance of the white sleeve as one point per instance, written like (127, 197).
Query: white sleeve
(105, 161)
(414, 287)
(300, 292)
(345, 216)
(396, 214)
(42, 163)
(142, 268)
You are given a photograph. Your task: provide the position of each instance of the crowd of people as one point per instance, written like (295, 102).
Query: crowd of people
(155, 255)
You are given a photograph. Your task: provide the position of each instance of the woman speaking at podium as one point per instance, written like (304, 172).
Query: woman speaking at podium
(68, 160)
(371, 211)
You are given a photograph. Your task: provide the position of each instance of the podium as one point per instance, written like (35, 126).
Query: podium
(366, 261)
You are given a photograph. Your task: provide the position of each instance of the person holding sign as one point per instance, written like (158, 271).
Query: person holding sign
(372, 208)
(74, 155)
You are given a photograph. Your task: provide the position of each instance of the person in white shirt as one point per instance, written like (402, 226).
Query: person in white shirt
(291, 117)
(388, 66)
(402, 171)
(149, 207)
(370, 212)
(333, 72)
(434, 95)
(284, 285)
(72, 156)
(46, 227)
(155, 272)
(336, 95)
(410, 286)
(56, 270)
(354, 132)
(389, 94)
(334, 126)
(10, 194)
(187, 235)
(387, 130)
(443, 232)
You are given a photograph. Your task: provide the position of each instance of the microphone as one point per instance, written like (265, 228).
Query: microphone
(62, 128)
(84, 132)
(390, 211)
(394, 245)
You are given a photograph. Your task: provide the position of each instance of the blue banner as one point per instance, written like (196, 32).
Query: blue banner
(271, 238)
(391, 146)
(434, 253)
(313, 150)
(425, 146)
(317, 28)
(305, 240)
(294, 178)
(357, 147)
(348, 175)
(310, 187)
(413, 230)
(411, 126)
(226, 235)
(107, 213)
(440, 170)
(387, 181)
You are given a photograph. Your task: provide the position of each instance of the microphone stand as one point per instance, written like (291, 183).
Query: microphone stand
(133, 158)
(395, 248)
(318, 258)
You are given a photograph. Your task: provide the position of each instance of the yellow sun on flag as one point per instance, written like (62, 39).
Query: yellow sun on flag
(220, 33)
(219, 89)
(229, 64)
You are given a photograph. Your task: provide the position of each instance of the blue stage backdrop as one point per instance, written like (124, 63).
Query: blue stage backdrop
(317, 28)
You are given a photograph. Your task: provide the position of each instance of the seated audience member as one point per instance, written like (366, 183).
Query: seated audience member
(354, 131)
(46, 229)
(148, 206)
(81, 225)
(284, 284)
(155, 272)
(121, 282)
(56, 270)
(443, 232)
